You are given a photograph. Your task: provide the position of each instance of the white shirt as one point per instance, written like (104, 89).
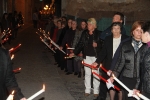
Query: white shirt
(116, 42)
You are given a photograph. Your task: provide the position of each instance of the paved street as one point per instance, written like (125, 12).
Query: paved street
(38, 68)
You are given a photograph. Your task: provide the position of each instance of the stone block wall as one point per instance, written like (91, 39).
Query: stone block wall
(132, 9)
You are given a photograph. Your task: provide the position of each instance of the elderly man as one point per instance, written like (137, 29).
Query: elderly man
(90, 43)
(7, 78)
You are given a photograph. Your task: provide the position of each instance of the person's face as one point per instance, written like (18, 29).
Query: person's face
(59, 24)
(83, 25)
(55, 23)
(73, 25)
(116, 30)
(145, 36)
(137, 33)
(62, 26)
(90, 26)
(69, 23)
(117, 18)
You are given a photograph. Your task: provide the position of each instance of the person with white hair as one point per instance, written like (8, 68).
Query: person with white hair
(90, 44)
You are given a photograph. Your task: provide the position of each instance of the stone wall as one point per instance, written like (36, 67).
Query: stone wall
(132, 9)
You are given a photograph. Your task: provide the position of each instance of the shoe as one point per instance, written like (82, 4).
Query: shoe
(86, 94)
(79, 75)
(96, 95)
(68, 73)
(75, 73)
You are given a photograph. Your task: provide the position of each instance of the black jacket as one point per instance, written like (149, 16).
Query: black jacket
(106, 54)
(128, 62)
(145, 66)
(7, 78)
(83, 43)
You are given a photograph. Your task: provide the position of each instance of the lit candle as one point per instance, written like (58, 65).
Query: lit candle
(38, 93)
(88, 65)
(12, 57)
(69, 57)
(16, 70)
(70, 48)
(13, 49)
(11, 96)
(47, 44)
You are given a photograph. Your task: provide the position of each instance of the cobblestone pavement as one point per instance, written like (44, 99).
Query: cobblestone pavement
(38, 68)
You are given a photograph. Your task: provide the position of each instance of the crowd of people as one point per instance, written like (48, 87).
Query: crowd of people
(126, 57)
(123, 56)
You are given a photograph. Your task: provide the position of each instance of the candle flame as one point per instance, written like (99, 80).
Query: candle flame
(12, 57)
(13, 92)
(100, 65)
(113, 75)
(82, 62)
(43, 87)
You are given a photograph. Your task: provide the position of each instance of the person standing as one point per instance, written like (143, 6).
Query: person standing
(128, 63)
(78, 60)
(105, 57)
(8, 81)
(35, 19)
(91, 45)
(68, 39)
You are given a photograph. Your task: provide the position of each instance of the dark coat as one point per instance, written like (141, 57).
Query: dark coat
(7, 78)
(145, 66)
(106, 54)
(128, 62)
(68, 38)
(83, 42)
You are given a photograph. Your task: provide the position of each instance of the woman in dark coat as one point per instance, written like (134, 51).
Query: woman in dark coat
(105, 57)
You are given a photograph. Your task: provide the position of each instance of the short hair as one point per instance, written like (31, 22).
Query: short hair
(115, 24)
(146, 27)
(135, 25)
(59, 21)
(120, 14)
(92, 21)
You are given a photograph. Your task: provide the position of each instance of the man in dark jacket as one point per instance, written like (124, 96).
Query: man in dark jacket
(90, 43)
(118, 17)
(7, 78)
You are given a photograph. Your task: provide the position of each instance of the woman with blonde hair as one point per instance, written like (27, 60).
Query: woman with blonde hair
(90, 44)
